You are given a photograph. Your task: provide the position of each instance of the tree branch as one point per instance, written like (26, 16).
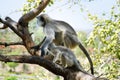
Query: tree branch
(32, 14)
(11, 24)
(4, 27)
(11, 43)
(54, 68)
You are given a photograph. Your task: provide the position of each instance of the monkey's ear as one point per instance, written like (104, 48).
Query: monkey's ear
(42, 19)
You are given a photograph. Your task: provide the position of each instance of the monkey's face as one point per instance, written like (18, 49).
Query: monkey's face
(40, 21)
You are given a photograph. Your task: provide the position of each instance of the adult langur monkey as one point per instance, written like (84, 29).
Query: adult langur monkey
(61, 33)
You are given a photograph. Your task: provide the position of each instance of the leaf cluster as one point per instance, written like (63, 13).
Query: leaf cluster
(106, 34)
(31, 4)
(105, 41)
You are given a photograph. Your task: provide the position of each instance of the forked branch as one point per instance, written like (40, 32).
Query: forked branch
(11, 24)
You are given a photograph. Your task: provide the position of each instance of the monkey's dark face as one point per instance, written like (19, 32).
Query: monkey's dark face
(41, 21)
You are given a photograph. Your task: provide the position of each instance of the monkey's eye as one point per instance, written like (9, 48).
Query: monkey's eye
(42, 19)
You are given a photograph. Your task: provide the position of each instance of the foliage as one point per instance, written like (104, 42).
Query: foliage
(30, 4)
(11, 78)
(105, 40)
(12, 65)
(107, 33)
(33, 4)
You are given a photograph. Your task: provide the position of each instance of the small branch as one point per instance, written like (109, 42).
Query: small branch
(4, 27)
(42, 42)
(12, 22)
(34, 60)
(11, 43)
(9, 22)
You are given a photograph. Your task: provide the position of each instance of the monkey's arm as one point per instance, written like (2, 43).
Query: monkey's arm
(57, 56)
(45, 45)
(50, 35)
(37, 47)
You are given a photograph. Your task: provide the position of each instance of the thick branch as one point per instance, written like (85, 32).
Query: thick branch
(11, 43)
(32, 14)
(34, 60)
(52, 67)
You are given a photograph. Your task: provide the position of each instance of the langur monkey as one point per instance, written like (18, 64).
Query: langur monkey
(60, 33)
(65, 56)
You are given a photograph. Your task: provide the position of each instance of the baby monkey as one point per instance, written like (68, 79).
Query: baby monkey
(65, 56)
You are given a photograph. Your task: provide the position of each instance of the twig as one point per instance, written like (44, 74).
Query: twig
(11, 43)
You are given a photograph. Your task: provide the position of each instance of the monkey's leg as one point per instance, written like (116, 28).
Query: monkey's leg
(56, 57)
(49, 52)
(63, 61)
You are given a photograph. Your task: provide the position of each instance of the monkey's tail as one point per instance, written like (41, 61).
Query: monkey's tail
(87, 55)
(79, 67)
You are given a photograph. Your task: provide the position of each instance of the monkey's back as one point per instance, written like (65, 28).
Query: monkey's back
(71, 60)
(65, 26)
(64, 34)
(66, 51)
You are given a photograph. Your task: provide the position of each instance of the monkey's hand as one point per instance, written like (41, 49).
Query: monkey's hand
(35, 47)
